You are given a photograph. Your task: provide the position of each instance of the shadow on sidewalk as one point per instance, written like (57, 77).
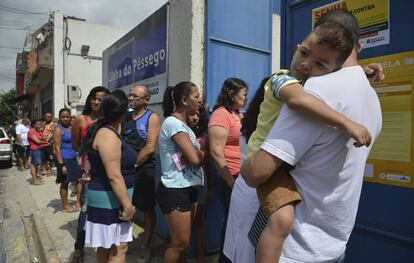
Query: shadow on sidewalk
(56, 204)
(71, 227)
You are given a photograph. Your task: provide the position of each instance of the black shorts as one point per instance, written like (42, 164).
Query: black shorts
(24, 151)
(48, 153)
(180, 199)
(144, 189)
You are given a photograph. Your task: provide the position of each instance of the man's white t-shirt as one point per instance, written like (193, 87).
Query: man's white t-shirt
(328, 168)
(22, 130)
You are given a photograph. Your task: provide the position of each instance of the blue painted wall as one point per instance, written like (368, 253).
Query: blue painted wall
(238, 43)
(277, 5)
(384, 230)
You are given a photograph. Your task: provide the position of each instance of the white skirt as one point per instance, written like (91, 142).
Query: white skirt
(243, 208)
(100, 235)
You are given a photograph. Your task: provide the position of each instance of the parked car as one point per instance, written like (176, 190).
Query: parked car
(6, 148)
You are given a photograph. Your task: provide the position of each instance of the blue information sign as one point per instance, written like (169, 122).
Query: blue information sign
(140, 55)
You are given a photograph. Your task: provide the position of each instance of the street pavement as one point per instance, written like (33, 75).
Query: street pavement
(56, 229)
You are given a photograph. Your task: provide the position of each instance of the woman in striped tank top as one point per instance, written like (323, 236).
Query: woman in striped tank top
(110, 211)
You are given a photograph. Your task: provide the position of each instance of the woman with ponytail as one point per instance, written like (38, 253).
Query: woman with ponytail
(110, 211)
(181, 160)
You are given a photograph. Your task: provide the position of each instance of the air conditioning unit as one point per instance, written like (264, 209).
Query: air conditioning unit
(74, 94)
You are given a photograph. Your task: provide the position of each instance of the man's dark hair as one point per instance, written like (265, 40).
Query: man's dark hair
(336, 37)
(249, 121)
(344, 18)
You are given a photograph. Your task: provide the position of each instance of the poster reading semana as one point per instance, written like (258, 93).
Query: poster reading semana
(372, 15)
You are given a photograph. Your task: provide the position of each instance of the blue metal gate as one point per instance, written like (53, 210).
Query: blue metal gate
(238, 44)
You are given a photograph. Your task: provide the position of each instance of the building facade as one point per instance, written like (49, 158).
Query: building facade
(63, 61)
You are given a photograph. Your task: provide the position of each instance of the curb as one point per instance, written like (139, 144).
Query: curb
(47, 250)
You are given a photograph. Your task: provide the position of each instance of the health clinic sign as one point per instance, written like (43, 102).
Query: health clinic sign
(141, 57)
(372, 16)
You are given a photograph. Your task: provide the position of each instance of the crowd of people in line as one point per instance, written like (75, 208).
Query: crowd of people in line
(289, 169)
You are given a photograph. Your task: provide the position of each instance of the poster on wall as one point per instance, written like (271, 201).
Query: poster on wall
(372, 15)
(141, 57)
(392, 156)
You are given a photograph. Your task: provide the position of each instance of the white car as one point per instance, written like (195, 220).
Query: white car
(6, 148)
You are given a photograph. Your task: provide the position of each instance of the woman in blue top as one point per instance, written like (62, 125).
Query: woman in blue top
(110, 211)
(181, 160)
(66, 163)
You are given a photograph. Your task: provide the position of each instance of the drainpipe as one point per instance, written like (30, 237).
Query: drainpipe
(66, 49)
(60, 62)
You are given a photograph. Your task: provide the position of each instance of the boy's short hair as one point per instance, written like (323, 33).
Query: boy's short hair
(344, 18)
(337, 37)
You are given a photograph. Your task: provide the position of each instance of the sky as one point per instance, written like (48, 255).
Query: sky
(18, 17)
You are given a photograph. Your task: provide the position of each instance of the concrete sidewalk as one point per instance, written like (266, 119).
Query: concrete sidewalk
(61, 227)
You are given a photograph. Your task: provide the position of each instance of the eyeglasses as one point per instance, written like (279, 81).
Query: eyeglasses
(136, 97)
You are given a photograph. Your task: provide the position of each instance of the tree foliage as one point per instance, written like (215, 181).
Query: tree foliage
(8, 110)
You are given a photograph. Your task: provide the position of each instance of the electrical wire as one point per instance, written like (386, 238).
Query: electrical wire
(4, 76)
(21, 11)
(13, 24)
(11, 48)
(8, 80)
(6, 57)
(13, 28)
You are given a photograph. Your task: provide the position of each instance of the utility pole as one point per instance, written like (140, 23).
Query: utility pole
(8, 109)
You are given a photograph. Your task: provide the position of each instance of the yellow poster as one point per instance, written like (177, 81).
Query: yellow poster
(392, 157)
(372, 16)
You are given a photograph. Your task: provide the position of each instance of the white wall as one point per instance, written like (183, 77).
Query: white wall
(186, 34)
(275, 42)
(58, 72)
(70, 67)
(186, 42)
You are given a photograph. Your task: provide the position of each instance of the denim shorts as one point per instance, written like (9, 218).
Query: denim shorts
(37, 156)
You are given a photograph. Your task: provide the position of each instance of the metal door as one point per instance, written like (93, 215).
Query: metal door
(384, 230)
